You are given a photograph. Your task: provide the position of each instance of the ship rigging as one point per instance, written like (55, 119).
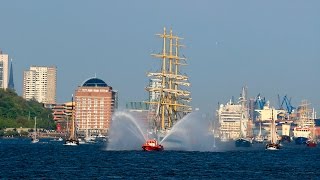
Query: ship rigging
(169, 100)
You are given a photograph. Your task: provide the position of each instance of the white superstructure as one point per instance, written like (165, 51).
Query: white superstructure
(233, 119)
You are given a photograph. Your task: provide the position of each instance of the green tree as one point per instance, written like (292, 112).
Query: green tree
(16, 112)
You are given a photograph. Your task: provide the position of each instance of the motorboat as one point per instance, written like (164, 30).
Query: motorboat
(311, 143)
(71, 142)
(272, 146)
(152, 145)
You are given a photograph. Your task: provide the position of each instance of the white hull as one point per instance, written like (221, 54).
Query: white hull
(259, 139)
(70, 144)
(35, 141)
(272, 148)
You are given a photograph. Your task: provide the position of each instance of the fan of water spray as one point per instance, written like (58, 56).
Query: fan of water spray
(191, 133)
(126, 132)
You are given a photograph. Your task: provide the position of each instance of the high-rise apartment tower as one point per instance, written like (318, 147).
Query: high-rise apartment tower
(4, 68)
(39, 83)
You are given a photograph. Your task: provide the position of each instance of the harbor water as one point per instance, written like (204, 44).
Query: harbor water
(51, 160)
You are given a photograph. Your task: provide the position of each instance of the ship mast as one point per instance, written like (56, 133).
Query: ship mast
(169, 101)
(244, 113)
(72, 132)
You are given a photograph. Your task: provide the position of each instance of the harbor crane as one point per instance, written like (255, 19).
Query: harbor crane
(260, 102)
(287, 101)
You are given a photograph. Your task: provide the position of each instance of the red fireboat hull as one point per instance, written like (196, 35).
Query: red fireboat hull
(311, 144)
(152, 145)
(152, 148)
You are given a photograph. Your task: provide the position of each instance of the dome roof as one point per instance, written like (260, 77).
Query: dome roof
(94, 82)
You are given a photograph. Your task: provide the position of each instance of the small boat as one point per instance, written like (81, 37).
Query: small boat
(259, 138)
(34, 137)
(243, 143)
(152, 145)
(71, 142)
(57, 139)
(311, 143)
(35, 140)
(81, 141)
(274, 144)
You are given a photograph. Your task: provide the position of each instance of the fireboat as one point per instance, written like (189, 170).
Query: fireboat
(152, 145)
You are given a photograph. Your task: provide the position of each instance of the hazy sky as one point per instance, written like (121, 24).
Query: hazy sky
(272, 46)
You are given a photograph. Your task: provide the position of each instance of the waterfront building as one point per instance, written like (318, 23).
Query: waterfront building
(59, 112)
(95, 103)
(39, 83)
(4, 68)
(62, 115)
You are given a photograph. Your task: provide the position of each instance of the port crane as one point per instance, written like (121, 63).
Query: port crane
(260, 102)
(287, 101)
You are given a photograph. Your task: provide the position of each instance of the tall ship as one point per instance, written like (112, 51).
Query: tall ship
(274, 143)
(169, 98)
(72, 140)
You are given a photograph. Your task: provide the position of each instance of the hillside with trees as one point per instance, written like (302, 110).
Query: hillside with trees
(16, 112)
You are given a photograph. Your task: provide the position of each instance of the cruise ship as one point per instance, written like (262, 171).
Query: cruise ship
(233, 119)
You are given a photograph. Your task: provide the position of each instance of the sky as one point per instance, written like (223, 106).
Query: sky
(272, 47)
